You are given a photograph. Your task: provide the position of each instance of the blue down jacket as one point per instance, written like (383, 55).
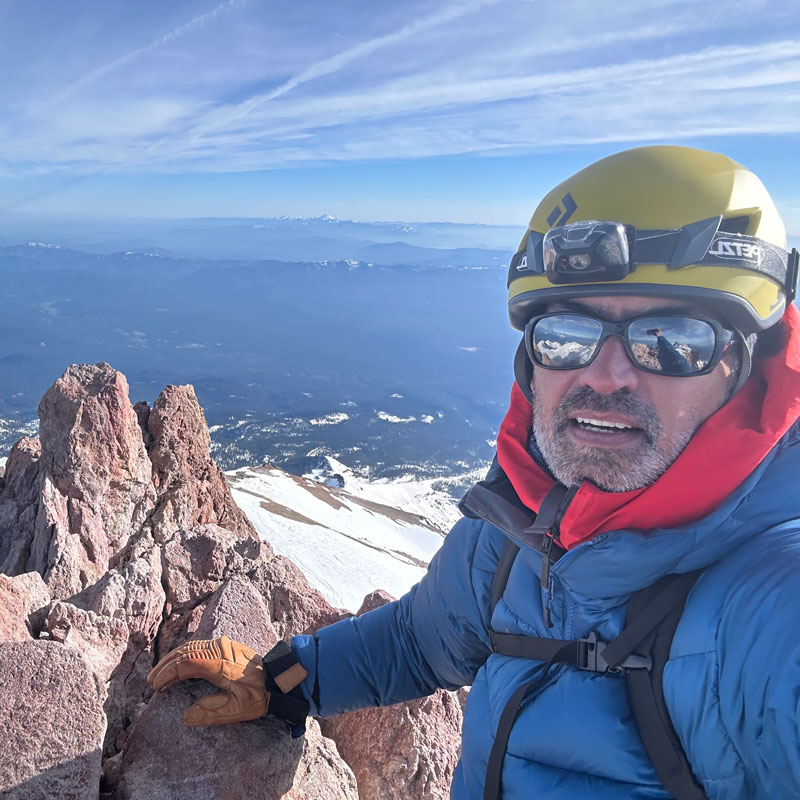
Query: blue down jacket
(732, 683)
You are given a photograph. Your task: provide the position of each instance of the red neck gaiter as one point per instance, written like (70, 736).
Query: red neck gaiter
(725, 450)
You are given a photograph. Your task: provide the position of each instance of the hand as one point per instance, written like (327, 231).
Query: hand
(232, 666)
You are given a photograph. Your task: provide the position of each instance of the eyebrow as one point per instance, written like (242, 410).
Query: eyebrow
(580, 308)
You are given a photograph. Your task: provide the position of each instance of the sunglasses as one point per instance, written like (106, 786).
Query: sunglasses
(663, 344)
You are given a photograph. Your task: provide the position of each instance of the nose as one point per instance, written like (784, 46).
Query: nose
(611, 369)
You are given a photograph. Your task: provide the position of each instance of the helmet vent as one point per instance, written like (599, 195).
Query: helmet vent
(735, 224)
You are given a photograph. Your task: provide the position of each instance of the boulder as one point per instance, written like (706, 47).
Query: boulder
(401, 751)
(374, 600)
(12, 614)
(52, 723)
(238, 610)
(255, 760)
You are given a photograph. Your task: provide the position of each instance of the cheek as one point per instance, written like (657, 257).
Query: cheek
(688, 402)
(549, 387)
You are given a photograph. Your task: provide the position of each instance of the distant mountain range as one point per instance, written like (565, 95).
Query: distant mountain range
(399, 368)
(281, 238)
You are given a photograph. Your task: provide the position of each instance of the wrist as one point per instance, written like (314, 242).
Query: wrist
(283, 674)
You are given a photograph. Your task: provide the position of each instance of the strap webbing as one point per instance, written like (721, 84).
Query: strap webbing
(663, 597)
(494, 768)
(501, 573)
(533, 647)
(653, 616)
(646, 689)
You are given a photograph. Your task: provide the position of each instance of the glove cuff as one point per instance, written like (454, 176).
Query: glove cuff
(284, 674)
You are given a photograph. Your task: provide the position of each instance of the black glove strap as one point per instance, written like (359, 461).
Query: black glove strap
(292, 706)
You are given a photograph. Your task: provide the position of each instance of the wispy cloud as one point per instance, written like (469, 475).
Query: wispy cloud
(337, 62)
(253, 90)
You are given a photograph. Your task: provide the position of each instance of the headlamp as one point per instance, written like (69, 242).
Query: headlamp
(586, 251)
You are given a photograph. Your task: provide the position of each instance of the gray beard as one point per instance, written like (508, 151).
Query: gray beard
(611, 470)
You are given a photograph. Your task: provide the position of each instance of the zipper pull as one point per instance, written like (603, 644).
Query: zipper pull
(545, 579)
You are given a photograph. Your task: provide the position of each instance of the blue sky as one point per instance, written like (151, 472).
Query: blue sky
(461, 111)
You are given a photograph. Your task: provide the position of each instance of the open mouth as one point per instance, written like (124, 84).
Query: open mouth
(603, 426)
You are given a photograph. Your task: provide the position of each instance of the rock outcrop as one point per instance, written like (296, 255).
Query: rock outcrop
(119, 540)
(412, 748)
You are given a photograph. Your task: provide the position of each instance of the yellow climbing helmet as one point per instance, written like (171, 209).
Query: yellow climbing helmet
(664, 221)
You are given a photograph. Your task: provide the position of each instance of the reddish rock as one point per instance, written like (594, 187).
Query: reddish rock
(101, 640)
(94, 487)
(255, 760)
(23, 605)
(191, 488)
(294, 606)
(237, 610)
(400, 751)
(374, 600)
(196, 563)
(114, 623)
(12, 614)
(131, 524)
(52, 723)
(19, 502)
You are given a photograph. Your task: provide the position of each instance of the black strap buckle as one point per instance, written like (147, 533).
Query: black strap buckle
(590, 657)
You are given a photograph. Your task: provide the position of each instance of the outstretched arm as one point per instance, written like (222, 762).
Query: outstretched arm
(435, 636)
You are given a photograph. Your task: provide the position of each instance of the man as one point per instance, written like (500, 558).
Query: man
(616, 467)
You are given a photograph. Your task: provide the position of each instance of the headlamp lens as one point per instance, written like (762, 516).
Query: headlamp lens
(580, 262)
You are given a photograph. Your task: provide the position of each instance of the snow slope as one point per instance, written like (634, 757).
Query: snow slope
(347, 541)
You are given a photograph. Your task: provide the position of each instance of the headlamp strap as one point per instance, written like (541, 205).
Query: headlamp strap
(722, 249)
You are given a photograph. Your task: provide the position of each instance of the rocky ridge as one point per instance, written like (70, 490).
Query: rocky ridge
(119, 539)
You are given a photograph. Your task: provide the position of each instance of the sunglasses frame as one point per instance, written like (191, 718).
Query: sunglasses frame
(722, 340)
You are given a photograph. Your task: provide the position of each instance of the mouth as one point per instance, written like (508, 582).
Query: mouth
(596, 431)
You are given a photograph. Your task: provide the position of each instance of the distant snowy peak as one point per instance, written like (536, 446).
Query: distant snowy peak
(327, 220)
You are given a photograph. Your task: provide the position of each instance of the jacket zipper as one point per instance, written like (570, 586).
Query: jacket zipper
(551, 536)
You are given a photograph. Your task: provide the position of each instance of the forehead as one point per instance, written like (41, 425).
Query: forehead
(612, 308)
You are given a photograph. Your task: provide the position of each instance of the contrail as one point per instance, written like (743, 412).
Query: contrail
(176, 33)
(340, 60)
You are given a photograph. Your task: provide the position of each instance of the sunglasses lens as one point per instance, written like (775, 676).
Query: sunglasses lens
(672, 345)
(565, 341)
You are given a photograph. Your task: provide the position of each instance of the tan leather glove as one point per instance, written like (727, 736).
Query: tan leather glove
(234, 667)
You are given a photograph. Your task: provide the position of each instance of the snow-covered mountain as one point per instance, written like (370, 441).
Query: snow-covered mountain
(349, 540)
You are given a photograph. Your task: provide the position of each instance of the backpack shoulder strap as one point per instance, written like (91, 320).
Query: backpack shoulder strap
(501, 573)
(645, 687)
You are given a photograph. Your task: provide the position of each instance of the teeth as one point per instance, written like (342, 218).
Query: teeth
(599, 423)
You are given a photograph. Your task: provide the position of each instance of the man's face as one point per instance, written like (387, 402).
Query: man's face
(661, 412)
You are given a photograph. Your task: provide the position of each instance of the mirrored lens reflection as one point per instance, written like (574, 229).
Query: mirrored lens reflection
(566, 340)
(673, 345)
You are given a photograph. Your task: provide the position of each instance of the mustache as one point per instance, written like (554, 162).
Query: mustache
(584, 398)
